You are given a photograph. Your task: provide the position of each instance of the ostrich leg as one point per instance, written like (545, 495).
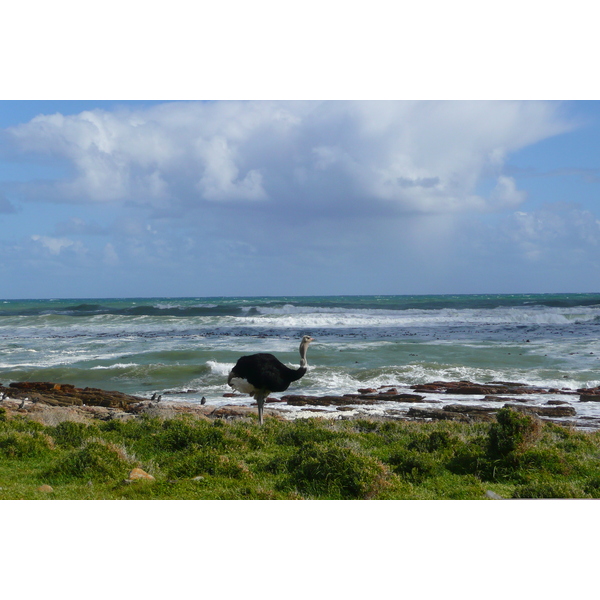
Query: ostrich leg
(260, 398)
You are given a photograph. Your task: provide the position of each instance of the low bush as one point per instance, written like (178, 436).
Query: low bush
(21, 444)
(513, 431)
(304, 431)
(415, 466)
(592, 486)
(323, 470)
(71, 434)
(183, 433)
(96, 461)
(206, 462)
(549, 489)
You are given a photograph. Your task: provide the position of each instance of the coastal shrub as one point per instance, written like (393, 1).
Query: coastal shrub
(547, 460)
(592, 486)
(513, 431)
(96, 461)
(23, 444)
(2, 413)
(182, 433)
(133, 429)
(549, 489)
(23, 423)
(303, 431)
(206, 462)
(72, 434)
(365, 426)
(450, 486)
(432, 442)
(324, 470)
(414, 466)
(471, 457)
(248, 437)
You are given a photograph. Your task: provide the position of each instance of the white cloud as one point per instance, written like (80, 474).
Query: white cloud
(56, 245)
(424, 157)
(506, 194)
(554, 232)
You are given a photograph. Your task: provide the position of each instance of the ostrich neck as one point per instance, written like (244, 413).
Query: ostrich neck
(303, 361)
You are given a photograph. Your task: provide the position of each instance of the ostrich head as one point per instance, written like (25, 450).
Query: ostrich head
(306, 340)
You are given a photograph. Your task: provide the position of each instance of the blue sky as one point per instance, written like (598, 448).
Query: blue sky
(202, 185)
(105, 199)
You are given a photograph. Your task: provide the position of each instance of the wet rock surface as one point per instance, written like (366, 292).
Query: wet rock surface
(481, 403)
(64, 394)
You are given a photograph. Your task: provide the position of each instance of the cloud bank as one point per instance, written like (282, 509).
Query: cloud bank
(412, 157)
(264, 197)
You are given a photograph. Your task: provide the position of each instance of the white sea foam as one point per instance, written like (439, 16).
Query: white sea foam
(290, 316)
(218, 368)
(115, 366)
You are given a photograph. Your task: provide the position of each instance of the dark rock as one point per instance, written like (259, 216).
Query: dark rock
(589, 398)
(430, 388)
(391, 397)
(544, 411)
(465, 408)
(470, 388)
(591, 391)
(62, 394)
(361, 399)
(296, 400)
(504, 399)
(437, 414)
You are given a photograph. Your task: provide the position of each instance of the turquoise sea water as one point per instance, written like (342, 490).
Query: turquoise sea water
(146, 345)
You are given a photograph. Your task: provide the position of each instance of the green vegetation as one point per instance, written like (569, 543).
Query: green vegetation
(518, 456)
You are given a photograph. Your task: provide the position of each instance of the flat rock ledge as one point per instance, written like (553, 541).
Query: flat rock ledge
(53, 402)
(354, 399)
(467, 414)
(64, 394)
(50, 402)
(493, 388)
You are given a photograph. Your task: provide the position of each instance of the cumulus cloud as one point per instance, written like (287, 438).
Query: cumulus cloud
(55, 246)
(557, 233)
(415, 157)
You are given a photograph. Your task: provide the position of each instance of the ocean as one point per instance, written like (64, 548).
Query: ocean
(184, 348)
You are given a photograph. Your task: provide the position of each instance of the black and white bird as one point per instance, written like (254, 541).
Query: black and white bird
(261, 374)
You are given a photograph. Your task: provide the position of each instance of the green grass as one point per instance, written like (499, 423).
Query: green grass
(517, 456)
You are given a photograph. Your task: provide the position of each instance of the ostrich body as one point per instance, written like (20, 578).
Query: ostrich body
(261, 374)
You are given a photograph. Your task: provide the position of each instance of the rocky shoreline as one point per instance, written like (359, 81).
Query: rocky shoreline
(55, 402)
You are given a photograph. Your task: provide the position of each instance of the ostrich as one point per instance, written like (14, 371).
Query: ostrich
(261, 374)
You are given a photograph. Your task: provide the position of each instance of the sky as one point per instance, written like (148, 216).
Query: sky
(247, 151)
(219, 198)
